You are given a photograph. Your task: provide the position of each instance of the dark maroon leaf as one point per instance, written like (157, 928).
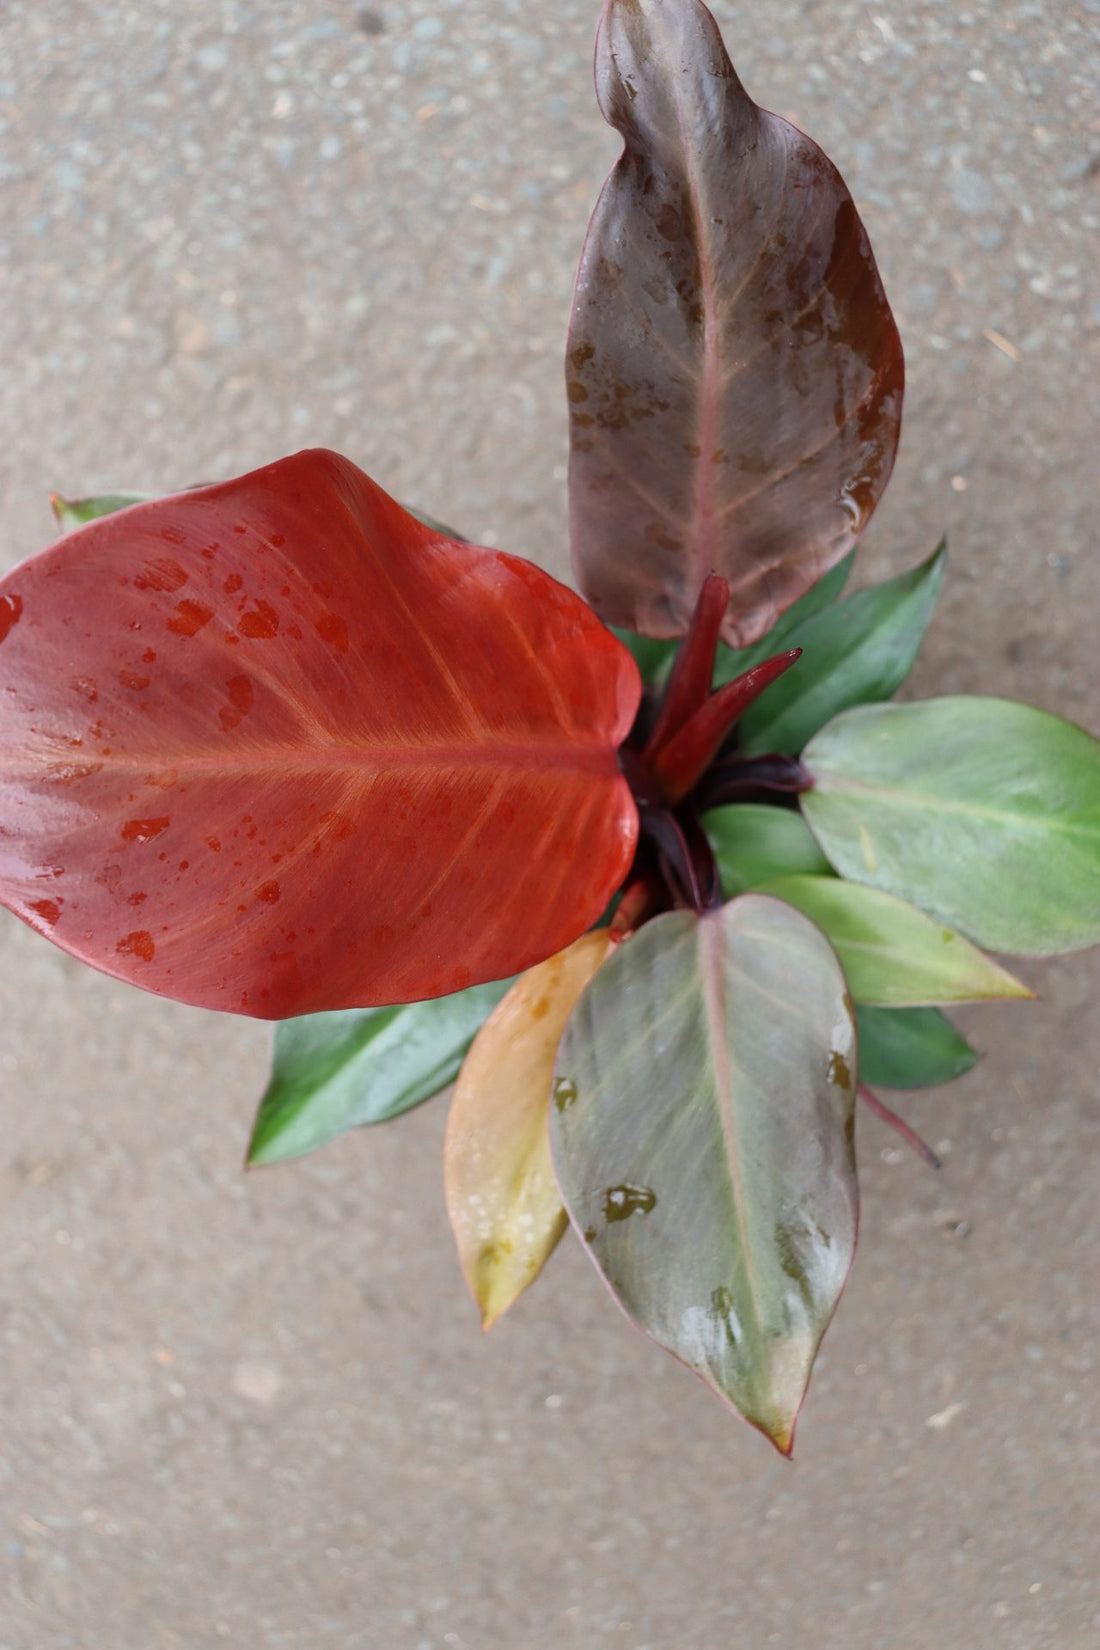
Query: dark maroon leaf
(734, 372)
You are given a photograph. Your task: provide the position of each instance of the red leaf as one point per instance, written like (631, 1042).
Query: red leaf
(689, 683)
(680, 763)
(734, 372)
(275, 746)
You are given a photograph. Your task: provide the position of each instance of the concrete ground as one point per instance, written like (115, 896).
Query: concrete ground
(257, 1410)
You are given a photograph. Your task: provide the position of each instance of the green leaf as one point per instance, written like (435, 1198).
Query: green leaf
(861, 649)
(910, 1048)
(892, 953)
(332, 1072)
(702, 1134)
(436, 526)
(753, 843)
(652, 657)
(734, 661)
(982, 811)
(74, 512)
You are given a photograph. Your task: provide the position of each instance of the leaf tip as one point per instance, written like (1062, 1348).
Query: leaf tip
(491, 1293)
(781, 1434)
(254, 1157)
(264, 1147)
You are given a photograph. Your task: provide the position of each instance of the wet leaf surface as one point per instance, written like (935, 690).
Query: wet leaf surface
(503, 1201)
(275, 747)
(733, 371)
(705, 1148)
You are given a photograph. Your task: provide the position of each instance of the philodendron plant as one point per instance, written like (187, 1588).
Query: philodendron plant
(665, 897)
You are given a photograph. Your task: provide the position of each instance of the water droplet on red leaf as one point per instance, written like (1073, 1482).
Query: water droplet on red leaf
(260, 625)
(241, 699)
(189, 617)
(138, 944)
(11, 607)
(334, 631)
(144, 830)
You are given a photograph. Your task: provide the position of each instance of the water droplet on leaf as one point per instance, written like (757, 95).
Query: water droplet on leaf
(620, 1202)
(565, 1093)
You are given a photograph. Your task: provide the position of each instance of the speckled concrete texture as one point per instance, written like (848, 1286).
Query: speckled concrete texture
(257, 1410)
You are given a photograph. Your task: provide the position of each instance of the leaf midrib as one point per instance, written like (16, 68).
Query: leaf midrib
(349, 758)
(712, 958)
(930, 801)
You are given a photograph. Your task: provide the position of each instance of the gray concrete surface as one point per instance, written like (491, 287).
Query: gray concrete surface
(257, 1411)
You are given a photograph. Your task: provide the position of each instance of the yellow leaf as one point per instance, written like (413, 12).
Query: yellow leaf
(502, 1198)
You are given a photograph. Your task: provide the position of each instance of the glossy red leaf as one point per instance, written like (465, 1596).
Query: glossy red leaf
(690, 752)
(734, 372)
(692, 673)
(275, 746)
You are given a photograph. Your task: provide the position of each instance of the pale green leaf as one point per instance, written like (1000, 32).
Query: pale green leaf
(753, 843)
(74, 512)
(702, 1135)
(982, 811)
(892, 953)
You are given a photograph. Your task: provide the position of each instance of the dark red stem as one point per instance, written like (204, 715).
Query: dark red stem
(640, 899)
(910, 1136)
(748, 778)
(680, 875)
